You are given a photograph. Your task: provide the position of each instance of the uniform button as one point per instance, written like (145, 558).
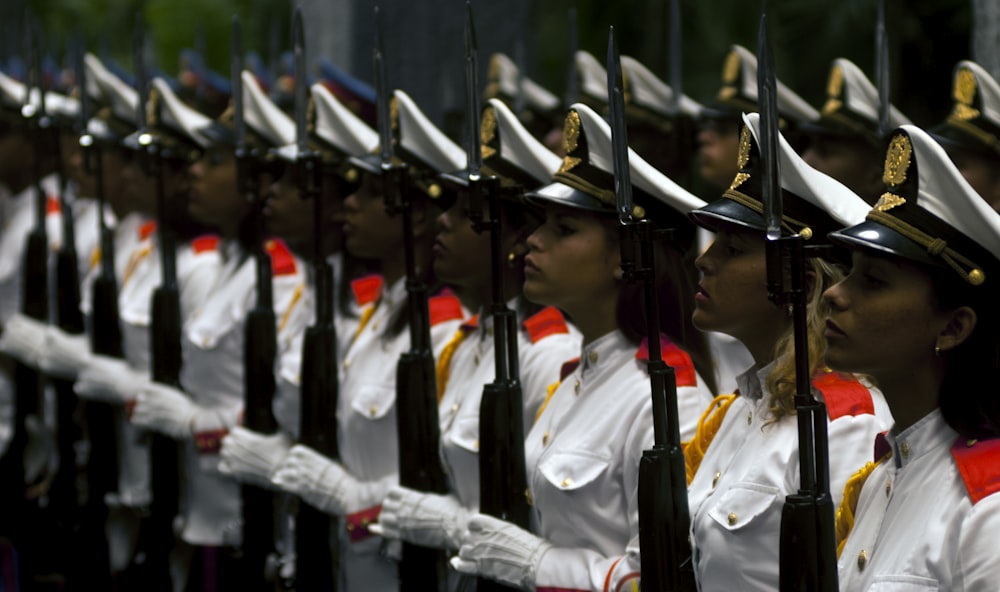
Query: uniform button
(567, 482)
(888, 488)
(373, 410)
(475, 445)
(732, 518)
(545, 438)
(347, 363)
(528, 497)
(862, 560)
(350, 527)
(576, 387)
(365, 522)
(204, 342)
(971, 443)
(715, 480)
(593, 356)
(749, 418)
(375, 326)
(477, 359)
(454, 408)
(904, 448)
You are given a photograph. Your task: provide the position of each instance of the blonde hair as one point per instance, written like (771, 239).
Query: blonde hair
(780, 383)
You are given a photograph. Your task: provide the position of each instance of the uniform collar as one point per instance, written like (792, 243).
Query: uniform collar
(923, 437)
(750, 384)
(600, 352)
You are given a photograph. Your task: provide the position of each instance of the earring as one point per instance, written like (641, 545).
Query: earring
(511, 259)
(937, 350)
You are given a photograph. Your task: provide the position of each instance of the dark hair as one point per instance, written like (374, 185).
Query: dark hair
(968, 398)
(675, 286)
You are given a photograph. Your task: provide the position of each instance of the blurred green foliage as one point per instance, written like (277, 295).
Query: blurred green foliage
(927, 37)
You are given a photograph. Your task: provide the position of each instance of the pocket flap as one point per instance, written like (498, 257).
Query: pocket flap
(568, 471)
(373, 401)
(742, 504)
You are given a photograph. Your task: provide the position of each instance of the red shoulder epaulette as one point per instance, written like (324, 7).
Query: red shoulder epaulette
(282, 260)
(548, 321)
(147, 230)
(844, 395)
(444, 307)
(204, 243)
(675, 357)
(567, 368)
(978, 462)
(367, 289)
(52, 205)
(471, 323)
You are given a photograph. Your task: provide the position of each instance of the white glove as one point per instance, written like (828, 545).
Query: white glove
(251, 457)
(166, 410)
(425, 519)
(500, 551)
(110, 380)
(23, 338)
(64, 355)
(324, 483)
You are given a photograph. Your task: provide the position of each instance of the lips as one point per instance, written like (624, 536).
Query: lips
(530, 267)
(832, 330)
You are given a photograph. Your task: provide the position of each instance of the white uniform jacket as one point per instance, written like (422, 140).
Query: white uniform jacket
(212, 375)
(738, 492)
(583, 453)
(928, 517)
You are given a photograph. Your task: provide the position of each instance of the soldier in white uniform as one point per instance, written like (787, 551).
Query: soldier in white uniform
(583, 451)
(353, 488)
(846, 142)
(745, 456)
(545, 340)
(923, 513)
(213, 336)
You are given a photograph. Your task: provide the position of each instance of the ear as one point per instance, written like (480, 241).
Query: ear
(959, 328)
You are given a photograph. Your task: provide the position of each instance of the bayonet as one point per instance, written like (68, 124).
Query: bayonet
(236, 76)
(520, 101)
(767, 98)
(882, 70)
(573, 80)
(301, 99)
(676, 66)
(382, 96)
(619, 135)
(473, 152)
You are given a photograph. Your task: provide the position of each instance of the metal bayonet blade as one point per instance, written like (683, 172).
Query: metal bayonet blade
(882, 70)
(236, 77)
(676, 73)
(768, 100)
(572, 82)
(619, 135)
(382, 95)
(141, 84)
(301, 99)
(474, 153)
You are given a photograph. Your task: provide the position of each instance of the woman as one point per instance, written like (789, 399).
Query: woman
(213, 342)
(462, 258)
(582, 453)
(922, 322)
(752, 463)
(353, 487)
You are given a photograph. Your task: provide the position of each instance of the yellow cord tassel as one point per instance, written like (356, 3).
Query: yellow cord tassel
(708, 426)
(849, 503)
(551, 390)
(443, 369)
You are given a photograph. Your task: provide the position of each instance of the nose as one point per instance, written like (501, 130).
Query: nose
(703, 262)
(835, 296)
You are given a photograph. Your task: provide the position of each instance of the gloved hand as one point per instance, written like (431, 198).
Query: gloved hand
(500, 551)
(425, 519)
(23, 338)
(166, 410)
(64, 355)
(110, 380)
(251, 457)
(322, 482)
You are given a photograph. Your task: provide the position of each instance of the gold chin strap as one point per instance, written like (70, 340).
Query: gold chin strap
(937, 247)
(787, 223)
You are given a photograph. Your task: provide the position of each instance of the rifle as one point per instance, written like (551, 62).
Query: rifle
(156, 533)
(664, 516)
(808, 551)
(573, 79)
(420, 467)
(260, 343)
(882, 71)
(317, 563)
(502, 472)
(683, 133)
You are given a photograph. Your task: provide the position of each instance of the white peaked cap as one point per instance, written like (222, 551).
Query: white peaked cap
(420, 138)
(515, 146)
(506, 73)
(652, 93)
(740, 83)
(856, 94)
(124, 99)
(177, 116)
(264, 117)
(11, 91)
(339, 126)
(591, 170)
(593, 77)
(819, 189)
(962, 230)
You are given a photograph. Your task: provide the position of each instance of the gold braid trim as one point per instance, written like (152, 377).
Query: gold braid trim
(443, 369)
(787, 222)
(550, 390)
(977, 132)
(366, 315)
(708, 426)
(604, 195)
(849, 503)
(291, 306)
(935, 246)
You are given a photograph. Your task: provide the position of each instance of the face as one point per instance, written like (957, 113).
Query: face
(214, 198)
(718, 151)
(571, 262)
(883, 321)
(15, 153)
(852, 162)
(138, 189)
(369, 232)
(981, 173)
(461, 255)
(291, 217)
(732, 295)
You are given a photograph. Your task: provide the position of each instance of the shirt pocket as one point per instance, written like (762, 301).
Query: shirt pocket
(741, 505)
(373, 402)
(570, 471)
(903, 583)
(465, 435)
